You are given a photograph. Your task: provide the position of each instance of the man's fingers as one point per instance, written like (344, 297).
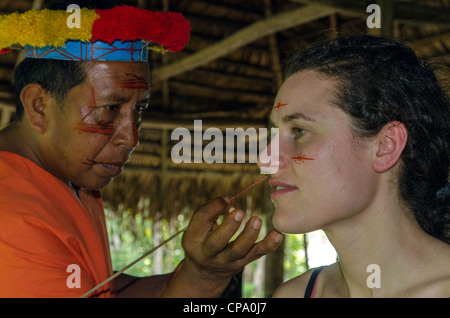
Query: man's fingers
(205, 217)
(219, 238)
(267, 245)
(246, 239)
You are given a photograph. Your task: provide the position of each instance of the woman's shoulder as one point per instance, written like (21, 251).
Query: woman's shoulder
(296, 287)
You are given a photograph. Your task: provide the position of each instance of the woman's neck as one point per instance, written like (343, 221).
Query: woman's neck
(385, 248)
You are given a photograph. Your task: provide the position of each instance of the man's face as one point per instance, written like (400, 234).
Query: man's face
(90, 138)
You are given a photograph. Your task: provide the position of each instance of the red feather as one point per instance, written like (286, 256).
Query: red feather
(126, 23)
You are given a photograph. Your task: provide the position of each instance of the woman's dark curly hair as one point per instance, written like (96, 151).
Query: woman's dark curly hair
(380, 81)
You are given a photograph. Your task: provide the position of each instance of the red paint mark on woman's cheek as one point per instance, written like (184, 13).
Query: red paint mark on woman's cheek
(300, 158)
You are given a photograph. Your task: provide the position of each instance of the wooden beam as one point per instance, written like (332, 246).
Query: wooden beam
(226, 80)
(275, 23)
(219, 93)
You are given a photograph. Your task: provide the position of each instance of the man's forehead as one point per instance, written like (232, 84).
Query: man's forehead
(117, 70)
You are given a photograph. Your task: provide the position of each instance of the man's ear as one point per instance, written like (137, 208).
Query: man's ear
(390, 142)
(34, 97)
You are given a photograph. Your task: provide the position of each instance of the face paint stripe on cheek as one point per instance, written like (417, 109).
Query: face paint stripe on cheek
(107, 129)
(98, 129)
(300, 158)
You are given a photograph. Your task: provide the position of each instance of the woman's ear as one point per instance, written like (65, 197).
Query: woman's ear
(33, 97)
(391, 141)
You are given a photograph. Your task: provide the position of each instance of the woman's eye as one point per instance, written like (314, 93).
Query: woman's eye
(298, 132)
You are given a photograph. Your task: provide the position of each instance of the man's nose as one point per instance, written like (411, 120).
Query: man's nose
(127, 132)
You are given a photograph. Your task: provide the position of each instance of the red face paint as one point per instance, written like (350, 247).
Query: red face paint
(279, 105)
(300, 158)
(96, 126)
(135, 82)
(99, 129)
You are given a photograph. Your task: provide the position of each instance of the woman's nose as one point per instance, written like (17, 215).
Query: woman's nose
(271, 159)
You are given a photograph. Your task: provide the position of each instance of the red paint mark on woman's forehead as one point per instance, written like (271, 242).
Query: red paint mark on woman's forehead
(279, 105)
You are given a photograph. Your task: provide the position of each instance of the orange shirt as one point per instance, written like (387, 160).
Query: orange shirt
(44, 228)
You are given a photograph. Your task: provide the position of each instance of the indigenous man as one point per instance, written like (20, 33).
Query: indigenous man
(79, 107)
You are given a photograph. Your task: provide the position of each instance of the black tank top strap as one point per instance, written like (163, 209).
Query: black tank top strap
(312, 281)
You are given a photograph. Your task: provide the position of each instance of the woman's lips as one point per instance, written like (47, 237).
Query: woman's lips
(281, 188)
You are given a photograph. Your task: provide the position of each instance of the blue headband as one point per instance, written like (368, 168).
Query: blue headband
(92, 51)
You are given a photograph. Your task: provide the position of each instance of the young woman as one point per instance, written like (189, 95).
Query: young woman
(364, 155)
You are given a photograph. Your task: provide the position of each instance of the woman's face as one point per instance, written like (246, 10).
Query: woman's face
(325, 174)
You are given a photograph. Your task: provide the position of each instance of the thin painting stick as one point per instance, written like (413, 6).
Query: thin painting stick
(250, 186)
(158, 246)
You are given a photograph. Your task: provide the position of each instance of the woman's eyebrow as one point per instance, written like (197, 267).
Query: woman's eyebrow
(290, 117)
(298, 115)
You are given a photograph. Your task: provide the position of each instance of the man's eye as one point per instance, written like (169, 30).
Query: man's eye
(113, 107)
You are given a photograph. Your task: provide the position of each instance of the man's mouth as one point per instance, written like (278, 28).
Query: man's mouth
(112, 168)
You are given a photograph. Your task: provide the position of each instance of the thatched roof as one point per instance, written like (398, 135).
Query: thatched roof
(228, 76)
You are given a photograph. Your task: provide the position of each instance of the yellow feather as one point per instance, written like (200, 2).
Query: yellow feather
(44, 27)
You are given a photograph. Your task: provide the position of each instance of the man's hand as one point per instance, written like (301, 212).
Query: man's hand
(211, 259)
